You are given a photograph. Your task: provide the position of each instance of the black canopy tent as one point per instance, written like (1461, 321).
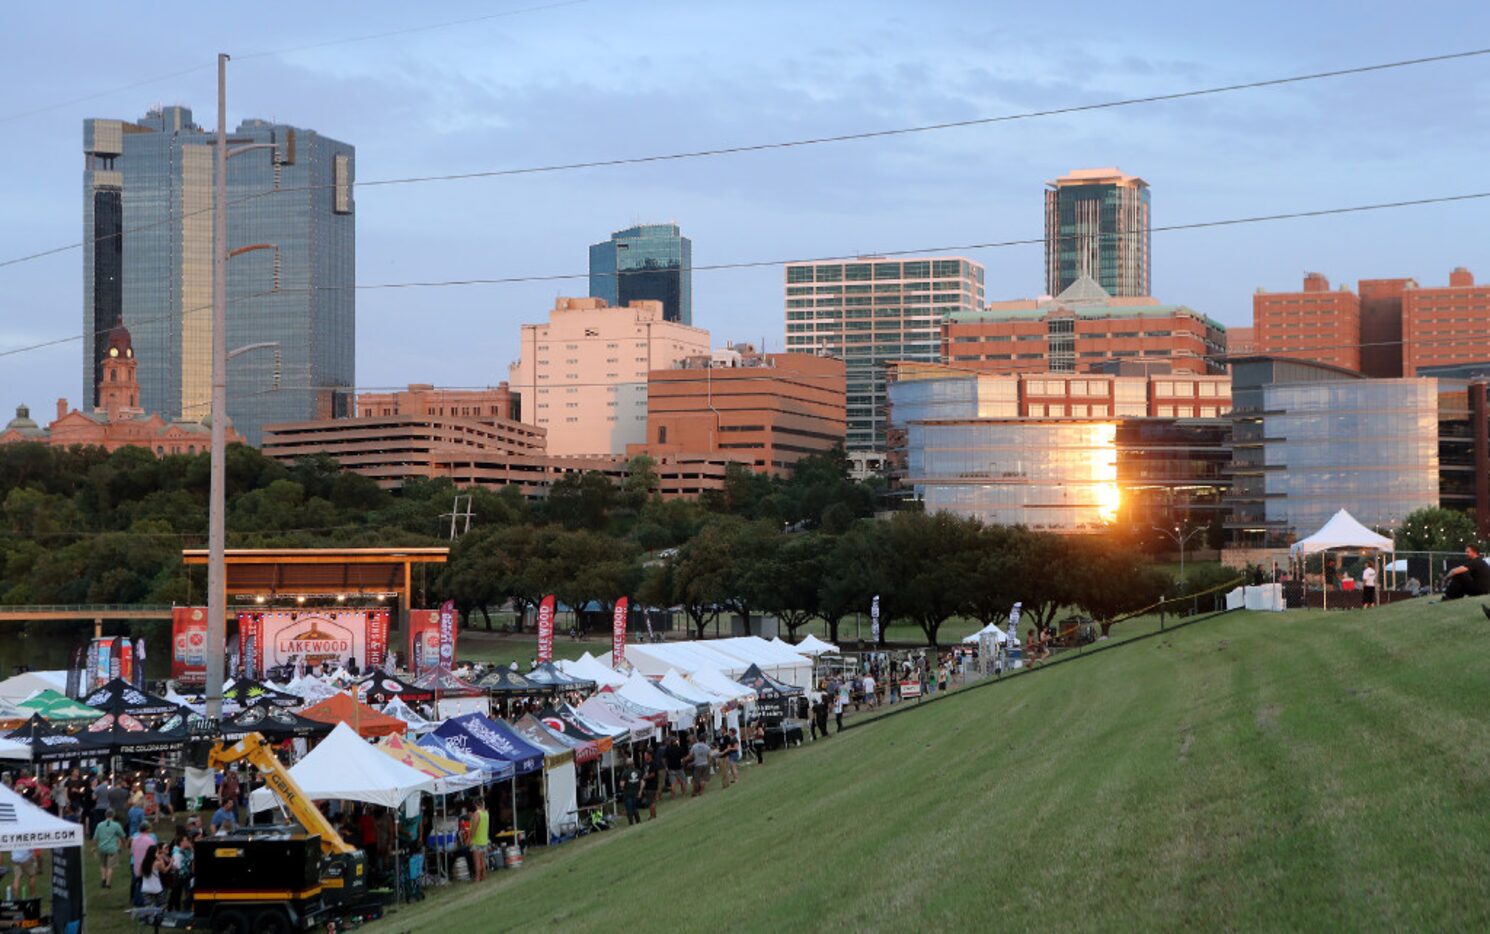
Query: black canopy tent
(274, 723)
(246, 692)
(551, 678)
(119, 696)
(383, 687)
(507, 681)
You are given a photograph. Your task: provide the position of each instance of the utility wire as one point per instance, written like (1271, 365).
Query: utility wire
(754, 264)
(813, 141)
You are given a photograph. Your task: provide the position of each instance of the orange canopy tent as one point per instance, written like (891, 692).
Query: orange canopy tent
(342, 708)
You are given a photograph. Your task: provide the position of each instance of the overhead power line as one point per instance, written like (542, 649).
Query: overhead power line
(798, 143)
(755, 264)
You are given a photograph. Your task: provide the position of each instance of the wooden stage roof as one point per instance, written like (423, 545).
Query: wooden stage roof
(296, 571)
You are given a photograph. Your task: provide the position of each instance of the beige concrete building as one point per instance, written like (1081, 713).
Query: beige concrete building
(583, 373)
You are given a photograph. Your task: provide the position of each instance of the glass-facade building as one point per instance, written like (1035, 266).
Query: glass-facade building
(872, 311)
(1097, 224)
(1369, 446)
(651, 261)
(291, 315)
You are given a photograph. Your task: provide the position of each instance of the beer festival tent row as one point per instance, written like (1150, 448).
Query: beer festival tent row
(640, 691)
(345, 767)
(732, 656)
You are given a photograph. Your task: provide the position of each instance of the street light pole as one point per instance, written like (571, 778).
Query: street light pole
(1181, 539)
(217, 583)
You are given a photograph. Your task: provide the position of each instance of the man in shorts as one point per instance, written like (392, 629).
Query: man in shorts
(700, 756)
(673, 756)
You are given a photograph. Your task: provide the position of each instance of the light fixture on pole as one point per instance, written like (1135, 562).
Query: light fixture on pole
(1181, 538)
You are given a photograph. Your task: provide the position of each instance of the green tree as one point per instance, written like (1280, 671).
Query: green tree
(1434, 528)
(581, 501)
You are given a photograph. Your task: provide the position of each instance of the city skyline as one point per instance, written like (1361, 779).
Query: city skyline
(469, 111)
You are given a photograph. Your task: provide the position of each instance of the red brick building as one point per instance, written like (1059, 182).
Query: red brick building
(1445, 325)
(1313, 324)
(117, 421)
(766, 410)
(1080, 331)
(424, 399)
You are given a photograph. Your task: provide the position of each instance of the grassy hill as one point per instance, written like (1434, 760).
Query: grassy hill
(1258, 771)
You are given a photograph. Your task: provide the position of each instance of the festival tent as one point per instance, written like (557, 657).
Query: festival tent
(555, 743)
(1342, 531)
(274, 723)
(19, 687)
(563, 719)
(604, 715)
(766, 686)
(345, 767)
(813, 646)
(992, 629)
(416, 721)
(495, 770)
(590, 668)
(383, 687)
(490, 739)
(246, 692)
(310, 689)
(197, 704)
(47, 742)
(655, 658)
(119, 696)
(775, 658)
(560, 780)
(676, 685)
(450, 775)
(554, 679)
(26, 826)
(711, 679)
(125, 733)
(56, 706)
(503, 680)
(341, 708)
(443, 681)
(639, 690)
(14, 749)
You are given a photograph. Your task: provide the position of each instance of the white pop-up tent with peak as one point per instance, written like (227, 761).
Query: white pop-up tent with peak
(345, 767)
(1341, 532)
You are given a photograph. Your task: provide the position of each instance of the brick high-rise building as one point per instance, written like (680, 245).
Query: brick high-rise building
(1445, 325)
(769, 410)
(1313, 324)
(1081, 330)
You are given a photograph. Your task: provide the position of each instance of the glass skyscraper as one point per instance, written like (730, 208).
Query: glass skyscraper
(872, 311)
(651, 261)
(291, 316)
(1097, 224)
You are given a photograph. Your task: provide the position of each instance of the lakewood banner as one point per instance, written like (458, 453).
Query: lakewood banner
(280, 637)
(546, 629)
(618, 632)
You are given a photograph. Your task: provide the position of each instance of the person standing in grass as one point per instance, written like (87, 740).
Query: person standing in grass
(631, 791)
(702, 757)
(674, 757)
(758, 742)
(108, 834)
(480, 838)
(651, 782)
(1368, 586)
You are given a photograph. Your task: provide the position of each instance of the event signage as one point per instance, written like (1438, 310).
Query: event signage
(448, 619)
(910, 689)
(618, 632)
(874, 619)
(546, 629)
(189, 644)
(771, 709)
(67, 888)
(21, 914)
(424, 640)
(283, 637)
(126, 655)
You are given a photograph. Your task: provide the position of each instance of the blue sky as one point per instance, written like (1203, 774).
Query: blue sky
(602, 79)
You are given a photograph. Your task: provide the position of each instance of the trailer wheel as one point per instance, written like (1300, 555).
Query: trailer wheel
(272, 921)
(230, 922)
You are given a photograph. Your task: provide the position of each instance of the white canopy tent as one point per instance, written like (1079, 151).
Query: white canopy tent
(417, 723)
(992, 629)
(590, 668)
(1342, 531)
(775, 658)
(714, 680)
(814, 647)
(655, 658)
(14, 749)
(344, 766)
(640, 691)
(18, 688)
(27, 826)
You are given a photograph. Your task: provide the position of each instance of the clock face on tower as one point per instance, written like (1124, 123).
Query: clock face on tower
(113, 351)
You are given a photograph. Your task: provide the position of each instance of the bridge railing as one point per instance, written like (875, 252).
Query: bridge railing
(85, 609)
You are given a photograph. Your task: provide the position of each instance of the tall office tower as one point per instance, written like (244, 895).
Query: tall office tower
(148, 190)
(872, 311)
(650, 262)
(1097, 224)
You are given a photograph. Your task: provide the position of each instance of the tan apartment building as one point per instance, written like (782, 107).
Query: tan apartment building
(767, 410)
(583, 373)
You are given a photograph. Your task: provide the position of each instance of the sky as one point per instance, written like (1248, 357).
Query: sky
(597, 79)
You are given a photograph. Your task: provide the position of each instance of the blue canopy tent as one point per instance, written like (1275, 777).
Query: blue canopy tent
(478, 735)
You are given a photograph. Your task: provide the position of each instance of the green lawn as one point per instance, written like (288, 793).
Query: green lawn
(1259, 771)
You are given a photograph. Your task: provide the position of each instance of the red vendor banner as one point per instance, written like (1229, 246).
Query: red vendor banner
(126, 653)
(546, 629)
(618, 632)
(377, 638)
(424, 641)
(449, 622)
(189, 644)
